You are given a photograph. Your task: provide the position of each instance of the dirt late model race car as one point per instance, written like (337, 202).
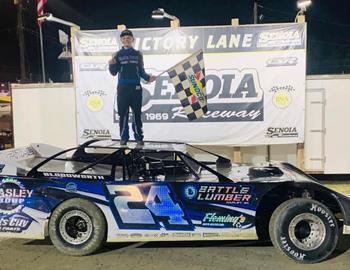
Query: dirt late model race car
(97, 192)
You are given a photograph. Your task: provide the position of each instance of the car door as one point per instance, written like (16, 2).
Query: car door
(177, 202)
(217, 207)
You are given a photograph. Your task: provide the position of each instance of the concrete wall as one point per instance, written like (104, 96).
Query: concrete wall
(336, 119)
(44, 113)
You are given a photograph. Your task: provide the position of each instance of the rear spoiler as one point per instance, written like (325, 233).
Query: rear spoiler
(14, 157)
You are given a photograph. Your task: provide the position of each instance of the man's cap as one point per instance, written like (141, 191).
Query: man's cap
(126, 32)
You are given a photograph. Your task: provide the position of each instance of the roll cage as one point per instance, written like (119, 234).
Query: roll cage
(169, 160)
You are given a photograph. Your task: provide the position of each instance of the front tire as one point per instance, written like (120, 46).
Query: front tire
(77, 227)
(304, 230)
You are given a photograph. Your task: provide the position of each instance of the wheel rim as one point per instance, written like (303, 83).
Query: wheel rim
(75, 227)
(307, 231)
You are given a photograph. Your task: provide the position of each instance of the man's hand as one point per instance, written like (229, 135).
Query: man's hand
(112, 61)
(152, 78)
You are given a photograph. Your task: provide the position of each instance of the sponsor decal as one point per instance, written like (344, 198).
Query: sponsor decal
(151, 207)
(181, 235)
(18, 154)
(233, 95)
(122, 235)
(287, 247)
(227, 194)
(282, 61)
(12, 196)
(72, 175)
(279, 39)
(211, 234)
(282, 97)
(15, 223)
(151, 235)
(196, 88)
(136, 235)
(93, 66)
(190, 192)
(98, 44)
(155, 43)
(322, 211)
(94, 133)
(281, 132)
(215, 220)
(71, 187)
(94, 99)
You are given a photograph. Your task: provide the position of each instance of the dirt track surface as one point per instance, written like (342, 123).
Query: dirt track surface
(26, 254)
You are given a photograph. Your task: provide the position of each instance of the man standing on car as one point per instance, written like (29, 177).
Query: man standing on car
(128, 62)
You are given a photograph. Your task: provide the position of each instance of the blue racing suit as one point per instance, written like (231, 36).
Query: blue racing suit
(129, 67)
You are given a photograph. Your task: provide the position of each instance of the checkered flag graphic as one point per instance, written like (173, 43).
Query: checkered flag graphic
(188, 77)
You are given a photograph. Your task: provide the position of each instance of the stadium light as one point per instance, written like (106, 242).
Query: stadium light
(160, 13)
(49, 17)
(303, 4)
(65, 54)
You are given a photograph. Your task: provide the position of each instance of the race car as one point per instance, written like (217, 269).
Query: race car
(101, 191)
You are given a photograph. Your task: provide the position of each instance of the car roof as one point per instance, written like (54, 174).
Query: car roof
(148, 145)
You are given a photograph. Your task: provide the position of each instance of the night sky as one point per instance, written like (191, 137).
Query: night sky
(328, 28)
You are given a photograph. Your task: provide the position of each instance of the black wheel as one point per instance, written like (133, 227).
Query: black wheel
(305, 230)
(77, 227)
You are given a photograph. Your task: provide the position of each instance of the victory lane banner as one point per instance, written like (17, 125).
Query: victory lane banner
(254, 84)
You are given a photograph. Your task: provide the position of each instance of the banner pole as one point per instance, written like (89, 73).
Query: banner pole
(161, 73)
(42, 53)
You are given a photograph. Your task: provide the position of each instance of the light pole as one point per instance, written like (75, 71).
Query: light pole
(21, 41)
(255, 12)
(160, 13)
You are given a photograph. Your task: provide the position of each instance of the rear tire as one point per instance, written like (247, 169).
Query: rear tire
(77, 227)
(304, 230)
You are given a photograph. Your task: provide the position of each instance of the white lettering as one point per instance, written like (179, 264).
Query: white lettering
(234, 41)
(222, 42)
(247, 40)
(193, 40)
(210, 44)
